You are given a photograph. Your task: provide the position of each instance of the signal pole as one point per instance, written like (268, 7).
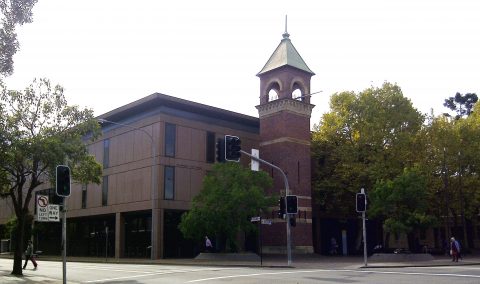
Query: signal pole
(364, 233)
(287, 218)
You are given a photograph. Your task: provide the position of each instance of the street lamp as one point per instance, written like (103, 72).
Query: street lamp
(154, 185)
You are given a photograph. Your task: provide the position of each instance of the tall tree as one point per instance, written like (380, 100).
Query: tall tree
(461, 104)
(38, 131)
(13, 13)
(230, 195)
(403, 204)
(364, 138)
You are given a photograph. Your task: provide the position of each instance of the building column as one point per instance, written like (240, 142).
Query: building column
(158, 231)
(119, 235)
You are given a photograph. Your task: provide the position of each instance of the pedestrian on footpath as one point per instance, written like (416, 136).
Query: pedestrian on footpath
(333, 246)
(208, 245)
(29, 255)
(454, 249)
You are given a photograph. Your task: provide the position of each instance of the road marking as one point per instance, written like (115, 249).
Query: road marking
(152, 274)
(334, 270)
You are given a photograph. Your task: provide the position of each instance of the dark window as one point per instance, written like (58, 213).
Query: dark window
(169, 183)
(84, 196)
(105, 191)
(210, 147)
(106, 152)
(170, 133)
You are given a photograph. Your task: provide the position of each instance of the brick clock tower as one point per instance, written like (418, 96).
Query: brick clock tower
(284, 113)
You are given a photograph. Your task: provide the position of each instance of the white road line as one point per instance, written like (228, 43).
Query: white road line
(153, 274)
(334, 270)
(458, 267)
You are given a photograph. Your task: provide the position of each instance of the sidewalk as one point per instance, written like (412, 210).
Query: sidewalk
(271, 261)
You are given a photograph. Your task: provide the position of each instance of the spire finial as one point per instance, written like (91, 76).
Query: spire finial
(286, 34)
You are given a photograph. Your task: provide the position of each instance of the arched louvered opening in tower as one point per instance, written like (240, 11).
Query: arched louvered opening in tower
(298, 92)
(273, 91)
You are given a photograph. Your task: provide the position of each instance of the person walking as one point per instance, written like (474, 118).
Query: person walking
(333, 246)
(208, 245)
(454, 249)
(29, 255)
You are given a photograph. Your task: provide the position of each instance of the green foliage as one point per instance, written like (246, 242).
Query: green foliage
(365, 137)
(461, 104)
(402, 202)
(13, 14)
(230, 195)
(11, 228)
(38, 131)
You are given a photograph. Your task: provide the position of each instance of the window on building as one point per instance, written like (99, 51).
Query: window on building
(84, 196)
(105, 191)
(169, 183)
(170, 133)
(106, 153)
(210, 147)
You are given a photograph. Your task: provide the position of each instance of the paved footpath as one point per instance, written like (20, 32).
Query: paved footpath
(272, 261)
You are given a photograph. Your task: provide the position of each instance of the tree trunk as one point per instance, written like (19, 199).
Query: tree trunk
(386, 244)
(19, 233)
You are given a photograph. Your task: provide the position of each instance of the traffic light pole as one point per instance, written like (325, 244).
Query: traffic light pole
(364, 235)
(64, 240)
(289, 241)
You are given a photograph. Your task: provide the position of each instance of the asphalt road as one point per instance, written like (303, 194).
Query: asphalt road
(51, 272)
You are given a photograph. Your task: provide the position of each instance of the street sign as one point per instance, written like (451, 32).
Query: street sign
(255, 219)
(255, 165)
(42, 208)
(53, 213)
(266, 221)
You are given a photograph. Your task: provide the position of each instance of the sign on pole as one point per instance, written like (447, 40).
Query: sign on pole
(255, 219)
(42, 208)
(255, 165)
(54, 213)
(266, 222)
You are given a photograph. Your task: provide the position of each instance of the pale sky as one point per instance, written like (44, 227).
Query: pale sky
(110, 53)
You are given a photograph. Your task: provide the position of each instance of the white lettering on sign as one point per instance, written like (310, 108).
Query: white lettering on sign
(266, 222)
(42, 208)
(255, 219)
(53, 213)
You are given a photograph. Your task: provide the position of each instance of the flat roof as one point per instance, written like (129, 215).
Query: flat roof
(158, 100)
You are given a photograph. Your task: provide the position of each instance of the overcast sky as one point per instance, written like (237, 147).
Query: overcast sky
(110, 53)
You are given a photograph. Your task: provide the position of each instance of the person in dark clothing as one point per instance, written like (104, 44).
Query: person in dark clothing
(454, 249)
(29, 255)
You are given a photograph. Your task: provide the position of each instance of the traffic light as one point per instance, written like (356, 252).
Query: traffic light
(281, 206)
(232, 148)
(361, 202)
(63, 181)
(292, 204)
(220, 150)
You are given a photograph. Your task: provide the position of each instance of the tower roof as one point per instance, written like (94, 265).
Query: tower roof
(285, 55)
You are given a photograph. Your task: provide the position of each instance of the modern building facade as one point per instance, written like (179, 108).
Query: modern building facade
(155, 153)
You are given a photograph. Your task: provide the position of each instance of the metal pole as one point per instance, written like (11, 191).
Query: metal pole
(153, 193)
(289, 241)
(64, 240)
(364, 235)
(106, 243)
(260, 234)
